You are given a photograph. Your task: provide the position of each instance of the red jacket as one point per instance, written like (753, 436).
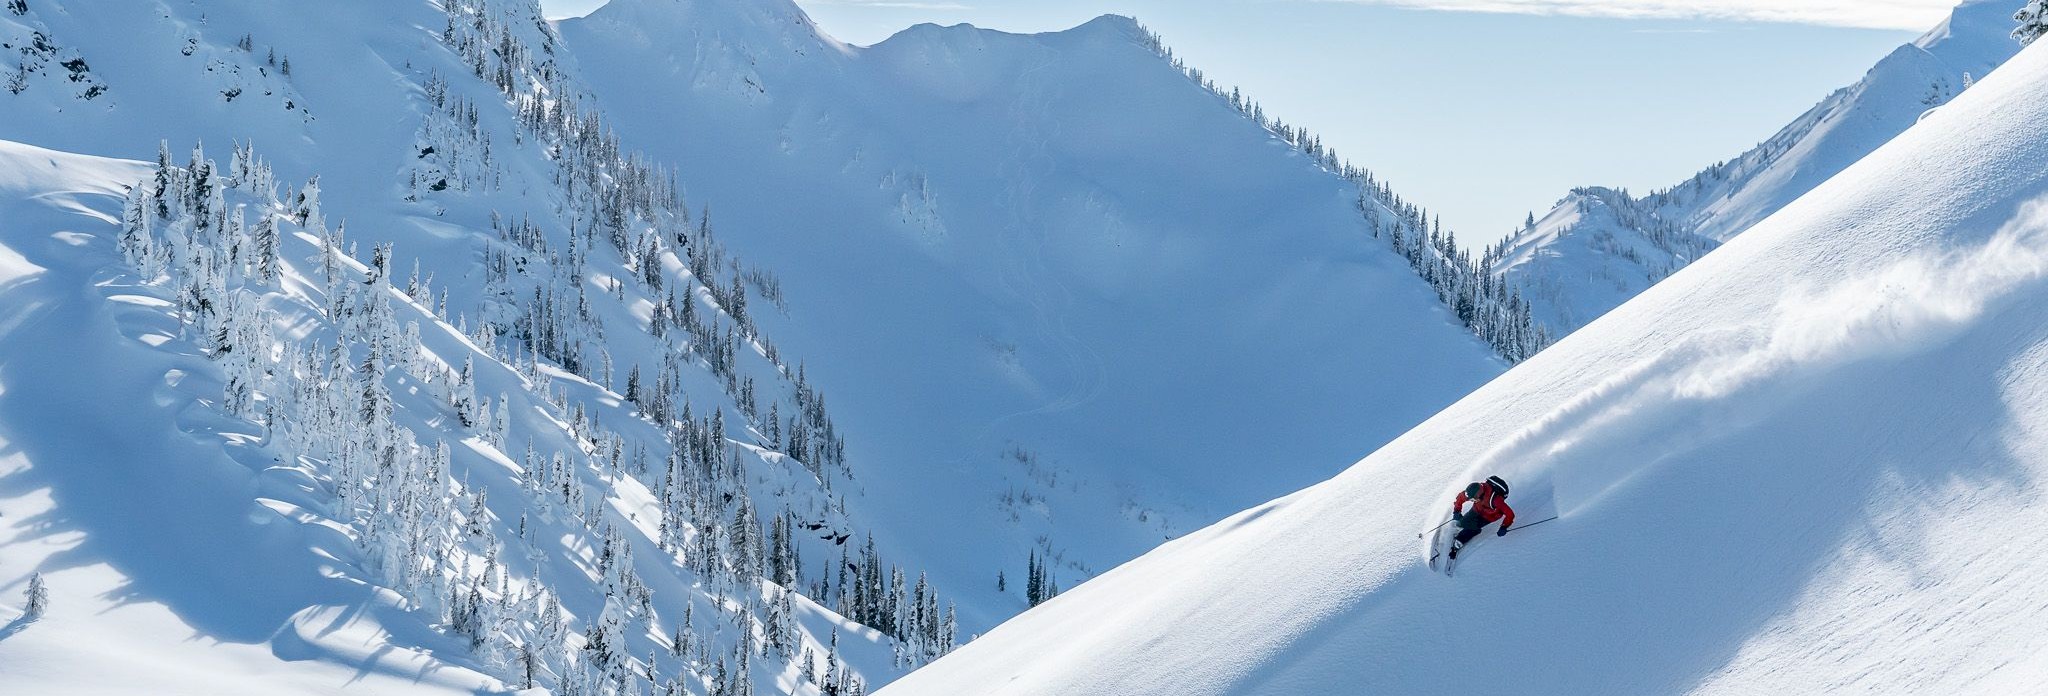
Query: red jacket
(1490, 506)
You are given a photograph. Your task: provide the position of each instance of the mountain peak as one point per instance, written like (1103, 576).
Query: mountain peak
(1105, 26)
(1972, 19)
(1108, 22)
(727, 17)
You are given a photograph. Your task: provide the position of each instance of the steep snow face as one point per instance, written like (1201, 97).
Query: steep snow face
(1803, 464)
(197, 537)
(1044, 280)
(182, 530)
(1575, 267)
(1070, 291)
(1591, 253)
(40, 61)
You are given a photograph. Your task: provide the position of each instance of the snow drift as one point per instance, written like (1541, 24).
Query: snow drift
(1808, 463)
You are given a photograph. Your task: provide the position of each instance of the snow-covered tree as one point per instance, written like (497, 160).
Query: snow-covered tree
(462, 395)
(607, 639)
(17, 82)
(307, 207)
(2033, 19)
(265, 240)
(36, 600)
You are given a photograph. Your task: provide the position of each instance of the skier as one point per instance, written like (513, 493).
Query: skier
(1489, 500)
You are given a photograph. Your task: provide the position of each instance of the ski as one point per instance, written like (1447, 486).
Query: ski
(1451, 563)
(1436, 540)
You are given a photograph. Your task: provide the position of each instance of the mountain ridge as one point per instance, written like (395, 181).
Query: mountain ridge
(961, 146)
(1575, 269)
(1774, 473)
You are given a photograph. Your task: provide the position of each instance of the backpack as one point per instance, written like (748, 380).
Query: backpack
(1499, 484)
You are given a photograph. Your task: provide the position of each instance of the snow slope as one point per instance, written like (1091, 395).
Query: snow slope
(1807, 463)
(176, 529)
(1598, 246)
(165, 570)
(192, 548)
(1043, 318)
(208, 547)
(1065, 284)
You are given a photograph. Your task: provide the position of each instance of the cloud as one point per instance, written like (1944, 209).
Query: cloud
(894, 4)
(1910, 15)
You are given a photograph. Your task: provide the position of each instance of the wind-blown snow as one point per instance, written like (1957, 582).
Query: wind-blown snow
(1598, 246)
(1807, 463)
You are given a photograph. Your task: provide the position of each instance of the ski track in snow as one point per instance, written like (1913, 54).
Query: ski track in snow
(1023, 244)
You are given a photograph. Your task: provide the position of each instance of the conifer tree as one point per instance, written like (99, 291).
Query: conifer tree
(307, 207)
(462, 394)
(18, 82)
(266, 242)
(36, 599)
(1034, 580)
(2033, 19)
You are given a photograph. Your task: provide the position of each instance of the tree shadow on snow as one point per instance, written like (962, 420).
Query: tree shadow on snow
(146, 484)
(19, 624)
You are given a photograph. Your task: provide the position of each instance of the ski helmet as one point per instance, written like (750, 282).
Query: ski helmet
(1472, 490)
(1499, 484)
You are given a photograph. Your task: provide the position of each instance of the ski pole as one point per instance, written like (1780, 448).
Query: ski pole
(1531, 524)
(1440, 525)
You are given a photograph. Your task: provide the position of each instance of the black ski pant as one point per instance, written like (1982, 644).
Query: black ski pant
(1469, 525)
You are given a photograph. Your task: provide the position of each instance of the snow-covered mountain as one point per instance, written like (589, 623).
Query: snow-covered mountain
(1600, 246)
(1060, 278)
(1803, 464)
(479, 408)
(443, 349)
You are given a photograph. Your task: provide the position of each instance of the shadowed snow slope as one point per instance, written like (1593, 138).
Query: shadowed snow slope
(1809, 462)
(1059, 280)
(166, 572)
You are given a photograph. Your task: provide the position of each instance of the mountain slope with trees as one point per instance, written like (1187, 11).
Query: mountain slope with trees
(1061, 273)
(390, 345)
(1794, 466)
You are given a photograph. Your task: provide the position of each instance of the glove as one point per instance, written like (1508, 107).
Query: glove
(1503, 532)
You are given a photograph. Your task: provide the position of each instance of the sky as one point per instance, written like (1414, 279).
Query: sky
(1483, 111)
